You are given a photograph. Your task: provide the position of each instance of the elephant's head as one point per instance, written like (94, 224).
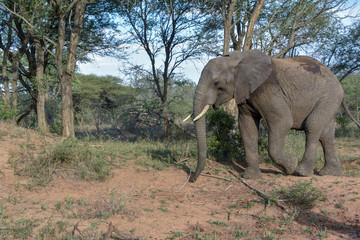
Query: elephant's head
(235, 76)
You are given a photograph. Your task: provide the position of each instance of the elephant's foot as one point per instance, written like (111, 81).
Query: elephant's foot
(252, 173)
(305, 169)
(288, 166)
(330, 169)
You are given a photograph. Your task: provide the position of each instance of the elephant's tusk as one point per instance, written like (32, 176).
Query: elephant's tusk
(187, 118)
(206, 108)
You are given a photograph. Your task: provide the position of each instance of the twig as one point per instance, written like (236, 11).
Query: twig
(123, 236)
(77, 229)
(214, 176)
(260, 193)
(187, 180)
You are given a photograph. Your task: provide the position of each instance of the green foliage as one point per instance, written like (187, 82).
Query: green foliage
(222, 143)
(20, 229)
(303, 195)
(106, 107)
(5, 113)
(99, 100)
(343, 122)
(351, 86)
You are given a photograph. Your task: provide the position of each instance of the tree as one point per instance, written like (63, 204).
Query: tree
(65, 74)
(276, 27)
(75, 11)
(166, 31)
(5, 46)
(100, 97)
(30, 43)
(48, 29)
(342, 52)
(286, 26)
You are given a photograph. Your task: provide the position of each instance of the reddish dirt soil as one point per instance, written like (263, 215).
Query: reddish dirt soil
(161, 204)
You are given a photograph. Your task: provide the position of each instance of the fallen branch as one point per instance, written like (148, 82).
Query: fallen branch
(121, 235)
(214, 176)
(77, 229)
(261, 194)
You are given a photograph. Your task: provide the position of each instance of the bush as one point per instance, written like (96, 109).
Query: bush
(223, 143)
(343, 121)
(5, 113)
(303, 195)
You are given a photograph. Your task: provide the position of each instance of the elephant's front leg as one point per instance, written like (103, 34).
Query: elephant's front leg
(278, 130)
(249, 128)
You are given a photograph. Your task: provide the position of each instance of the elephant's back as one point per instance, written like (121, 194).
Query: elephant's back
(306, 75)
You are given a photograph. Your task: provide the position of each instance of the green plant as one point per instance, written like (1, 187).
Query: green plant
(339, 205)
(218, 223)
(69, 201)
(164, 209)
(106, 208)
(322, 233)
(303, 195)
(266, 220)
(222, 143)
(47, 232)
(176, 235)
(343, 122)
(7, 113)
(240, 234)
(248, 205)
(20, 229)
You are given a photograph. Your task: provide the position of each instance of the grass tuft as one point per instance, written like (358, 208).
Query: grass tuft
(81, 158)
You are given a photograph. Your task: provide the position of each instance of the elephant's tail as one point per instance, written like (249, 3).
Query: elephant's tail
(348, 113)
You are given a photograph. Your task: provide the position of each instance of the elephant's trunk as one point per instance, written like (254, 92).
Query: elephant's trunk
(199, 104)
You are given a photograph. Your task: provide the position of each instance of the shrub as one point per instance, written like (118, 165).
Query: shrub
(5, 113)
(223, 143)
(303, 195)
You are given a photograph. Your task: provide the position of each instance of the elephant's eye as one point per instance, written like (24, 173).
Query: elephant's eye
(216, 84)
(221, 90)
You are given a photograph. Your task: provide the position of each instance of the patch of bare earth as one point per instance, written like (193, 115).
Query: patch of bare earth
(159, 205)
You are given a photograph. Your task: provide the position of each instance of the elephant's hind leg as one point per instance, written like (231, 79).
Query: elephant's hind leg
(314, 127)
(332, 162)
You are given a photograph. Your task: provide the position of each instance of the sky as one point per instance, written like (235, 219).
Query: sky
(103, 65)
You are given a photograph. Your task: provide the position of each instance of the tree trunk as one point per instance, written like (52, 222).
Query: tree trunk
(231, 106)
(15, 78)
(67, 78)
(227, 17)
(67, 107)
(41, 89)
(166, 119)
(5, 96)
(254, 16)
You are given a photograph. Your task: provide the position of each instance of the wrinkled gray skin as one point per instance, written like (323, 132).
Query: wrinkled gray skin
(296, 93)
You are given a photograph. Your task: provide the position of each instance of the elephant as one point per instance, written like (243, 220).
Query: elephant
(295, 93)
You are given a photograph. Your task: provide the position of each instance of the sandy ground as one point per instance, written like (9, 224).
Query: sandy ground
(162, 205)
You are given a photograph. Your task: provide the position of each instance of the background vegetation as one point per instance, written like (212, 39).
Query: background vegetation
(42, 40)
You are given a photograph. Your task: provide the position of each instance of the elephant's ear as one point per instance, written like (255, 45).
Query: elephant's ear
(253, 70)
